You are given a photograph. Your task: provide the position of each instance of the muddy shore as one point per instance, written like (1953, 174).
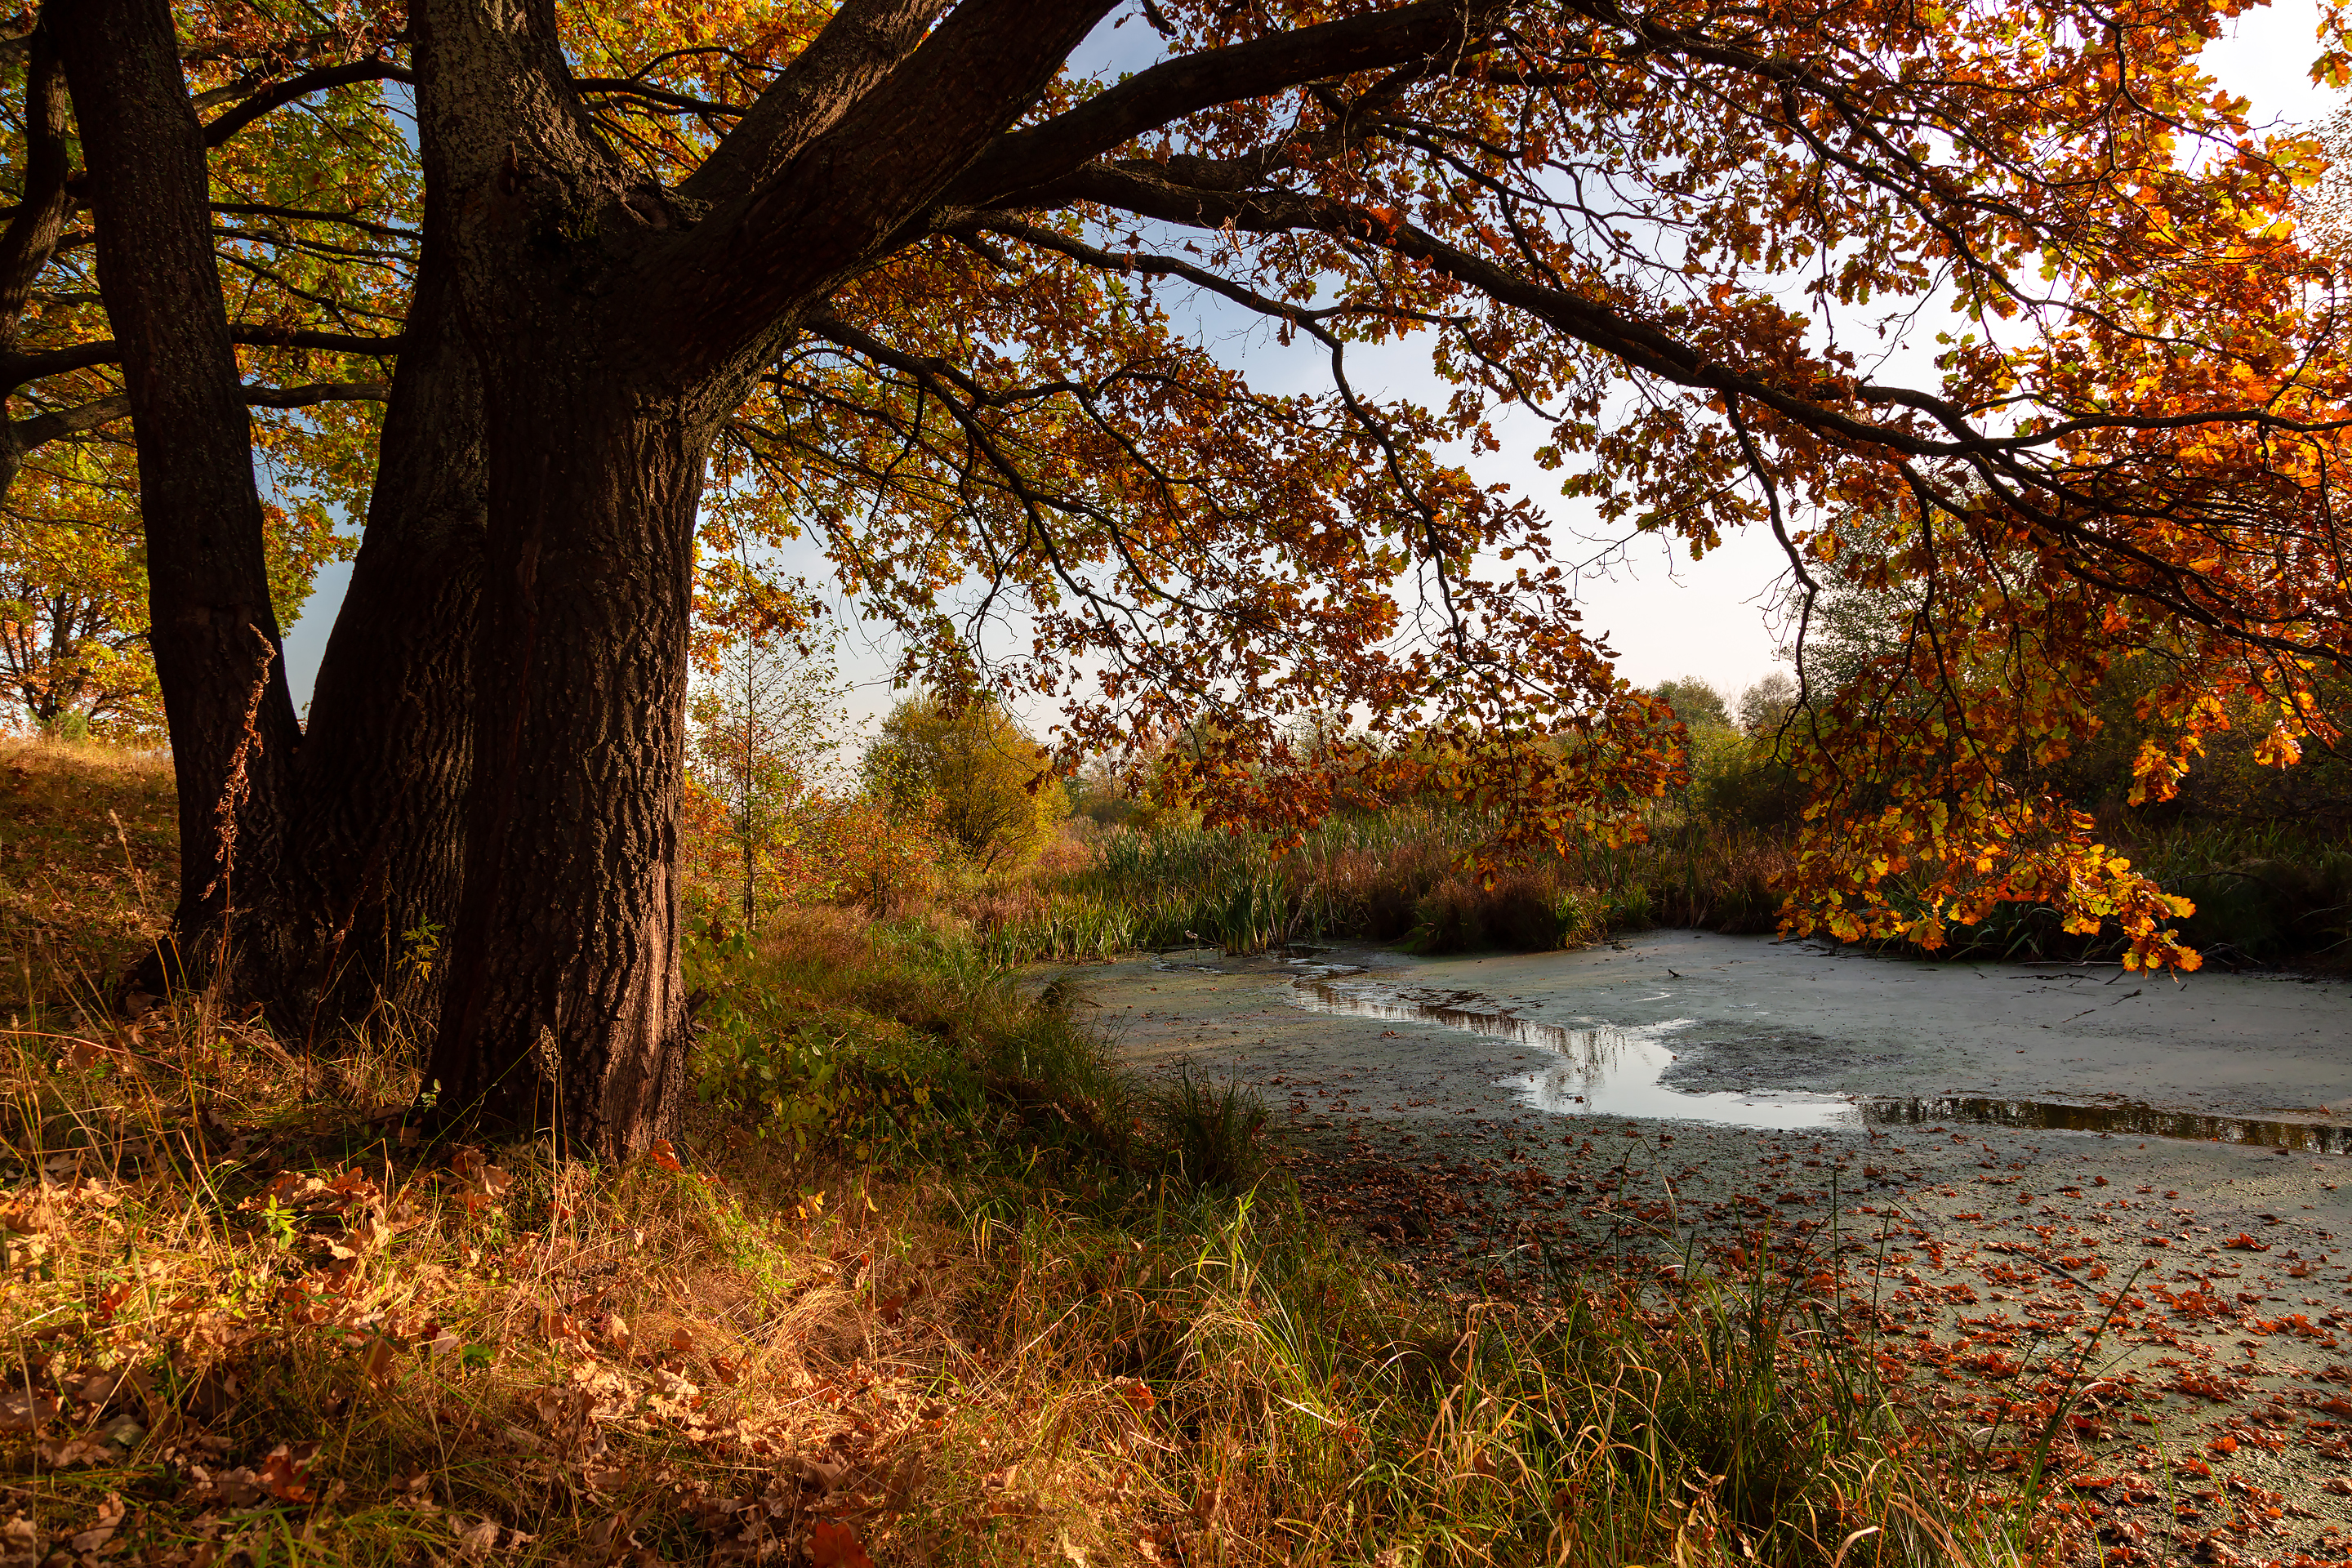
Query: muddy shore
(2015, 1168)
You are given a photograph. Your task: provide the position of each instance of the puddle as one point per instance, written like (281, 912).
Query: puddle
(1601, 1070)
(2127, 1117)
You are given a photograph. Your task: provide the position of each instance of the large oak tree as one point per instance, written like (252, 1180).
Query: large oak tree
(894, 275)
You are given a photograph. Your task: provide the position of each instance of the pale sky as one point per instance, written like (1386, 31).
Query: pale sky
(1665, 615)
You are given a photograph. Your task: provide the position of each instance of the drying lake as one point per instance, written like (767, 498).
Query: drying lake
(2014, 1164)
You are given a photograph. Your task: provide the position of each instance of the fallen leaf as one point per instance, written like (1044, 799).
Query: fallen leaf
(24, 1412)
(831, 1544)
(286, 1472)
(109, 1519)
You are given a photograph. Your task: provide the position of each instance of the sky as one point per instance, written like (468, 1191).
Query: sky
(1665, 615)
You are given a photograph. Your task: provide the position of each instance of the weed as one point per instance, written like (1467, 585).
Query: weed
(1213, 1134)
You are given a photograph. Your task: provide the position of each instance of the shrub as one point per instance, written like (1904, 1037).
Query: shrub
(992, 788)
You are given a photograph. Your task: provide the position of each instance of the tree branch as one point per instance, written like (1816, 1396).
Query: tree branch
(39, 220)
(1177, 87)
(312, 215)
(826, 211)
(863, 43)
(16, 370)
(59, 423)
(62, 422)
(316, 393)
(303, 86)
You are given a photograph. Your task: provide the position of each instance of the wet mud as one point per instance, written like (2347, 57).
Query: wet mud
(2024, 1181)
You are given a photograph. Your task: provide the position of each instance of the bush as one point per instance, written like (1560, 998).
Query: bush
(989, 787)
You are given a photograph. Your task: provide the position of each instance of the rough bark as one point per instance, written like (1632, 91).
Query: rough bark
(614, 324)
(213, 629)
(564, 1004)
(377, 836)
(32, 234)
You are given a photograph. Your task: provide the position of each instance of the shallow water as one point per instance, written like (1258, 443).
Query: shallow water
(1602, 1071)
(2124, 1117)
(1605, 1070)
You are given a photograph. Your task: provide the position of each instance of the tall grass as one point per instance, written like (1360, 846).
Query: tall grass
(939, 1277)
(1410, 875)
(1413, 876)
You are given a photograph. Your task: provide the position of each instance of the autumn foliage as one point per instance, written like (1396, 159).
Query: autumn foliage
(2014, 320)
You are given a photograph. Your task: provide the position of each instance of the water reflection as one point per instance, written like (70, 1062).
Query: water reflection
(1600, 1070)
(2128, 1117)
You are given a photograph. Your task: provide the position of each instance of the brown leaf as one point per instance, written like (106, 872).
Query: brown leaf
(109, 1519)
(24, 1412)
(831, 1544)
(286, 1472)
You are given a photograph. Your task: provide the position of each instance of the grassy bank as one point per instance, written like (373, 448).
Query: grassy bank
(2268, 896)
(1403, 876)
(925, 1278)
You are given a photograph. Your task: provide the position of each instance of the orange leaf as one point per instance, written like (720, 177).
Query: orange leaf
(287, 1474)
(831, 1544)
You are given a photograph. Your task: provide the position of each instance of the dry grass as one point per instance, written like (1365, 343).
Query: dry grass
(88, 864)
(926, 1280)
(246, 1315)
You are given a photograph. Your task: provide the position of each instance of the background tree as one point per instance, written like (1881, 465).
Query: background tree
(766, 723)
(1694, 702)
(990, 788)
(1766, 703)
(73, 586)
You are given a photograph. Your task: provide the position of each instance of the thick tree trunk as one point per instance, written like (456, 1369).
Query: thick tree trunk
(615, 323)
(376, 843)
(564, 1004)
(214, 631)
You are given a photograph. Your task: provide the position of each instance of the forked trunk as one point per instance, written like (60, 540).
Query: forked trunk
(564, 1004)
(371, 881)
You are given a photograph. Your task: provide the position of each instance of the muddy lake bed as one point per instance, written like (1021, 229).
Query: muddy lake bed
(2021, 1170)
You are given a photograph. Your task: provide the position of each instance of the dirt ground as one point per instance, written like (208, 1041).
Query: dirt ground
(1684, 1101)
